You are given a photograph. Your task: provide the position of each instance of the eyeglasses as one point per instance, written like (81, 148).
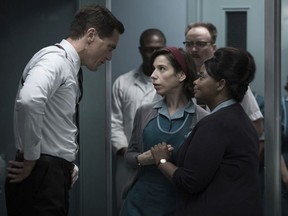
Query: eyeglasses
(199, 44)
(150, 49)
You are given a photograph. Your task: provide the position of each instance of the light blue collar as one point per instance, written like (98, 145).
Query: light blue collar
(224, 104)
(163, 110)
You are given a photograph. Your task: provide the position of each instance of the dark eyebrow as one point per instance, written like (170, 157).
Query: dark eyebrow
(201, 74)
(113, 46)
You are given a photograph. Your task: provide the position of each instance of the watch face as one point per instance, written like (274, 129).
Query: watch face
(163, 161)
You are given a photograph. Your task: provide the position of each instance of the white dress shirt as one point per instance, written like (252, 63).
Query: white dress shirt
(250, 106)
(44, 115)
(130, 91)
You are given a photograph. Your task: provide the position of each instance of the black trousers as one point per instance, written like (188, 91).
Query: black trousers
(44, 193)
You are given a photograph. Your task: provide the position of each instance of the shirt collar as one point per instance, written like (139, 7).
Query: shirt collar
(163, 110)
(142, 78)
(223, 104)
(72, 53)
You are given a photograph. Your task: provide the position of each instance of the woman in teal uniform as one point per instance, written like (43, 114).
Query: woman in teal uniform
(169, 120)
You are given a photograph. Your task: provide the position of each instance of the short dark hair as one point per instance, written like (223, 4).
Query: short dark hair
(232, 65)
(209, 26)
(149, 33)
(191, 68)
(95, 16)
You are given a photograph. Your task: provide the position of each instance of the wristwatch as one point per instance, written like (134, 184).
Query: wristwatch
(162, 161)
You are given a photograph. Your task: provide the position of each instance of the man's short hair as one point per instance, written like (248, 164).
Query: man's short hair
(209, 26)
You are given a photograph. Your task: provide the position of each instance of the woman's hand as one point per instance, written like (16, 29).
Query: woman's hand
(161, 151)
(145, 158)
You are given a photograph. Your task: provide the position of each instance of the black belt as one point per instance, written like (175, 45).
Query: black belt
(57, 161)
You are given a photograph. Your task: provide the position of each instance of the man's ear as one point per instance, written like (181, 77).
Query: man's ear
(214, 47)
(91, 34)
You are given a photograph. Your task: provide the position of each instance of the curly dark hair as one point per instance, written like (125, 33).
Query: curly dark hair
(234, 66)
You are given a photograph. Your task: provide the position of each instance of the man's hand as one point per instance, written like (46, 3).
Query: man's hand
(74, 175)
(122, 151)
(20, 170)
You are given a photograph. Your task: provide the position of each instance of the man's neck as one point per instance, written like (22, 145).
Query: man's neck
(77, 44)
(147, 70)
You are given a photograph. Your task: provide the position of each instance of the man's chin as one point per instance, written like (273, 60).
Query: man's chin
(94, 68)
(199, 64)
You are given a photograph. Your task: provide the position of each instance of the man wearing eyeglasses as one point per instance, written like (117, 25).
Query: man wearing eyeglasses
(200, 42)
(130, 91)
(200, 39)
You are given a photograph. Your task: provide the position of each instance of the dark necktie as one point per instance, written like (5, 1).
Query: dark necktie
(80, 82)
(77, 118)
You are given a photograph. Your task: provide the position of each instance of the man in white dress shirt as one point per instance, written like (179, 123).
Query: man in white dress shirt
(200, 42)
(130, 91)
(38, 180)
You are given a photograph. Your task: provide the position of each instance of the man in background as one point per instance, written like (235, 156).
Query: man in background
(200, 42)
(130, 91)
